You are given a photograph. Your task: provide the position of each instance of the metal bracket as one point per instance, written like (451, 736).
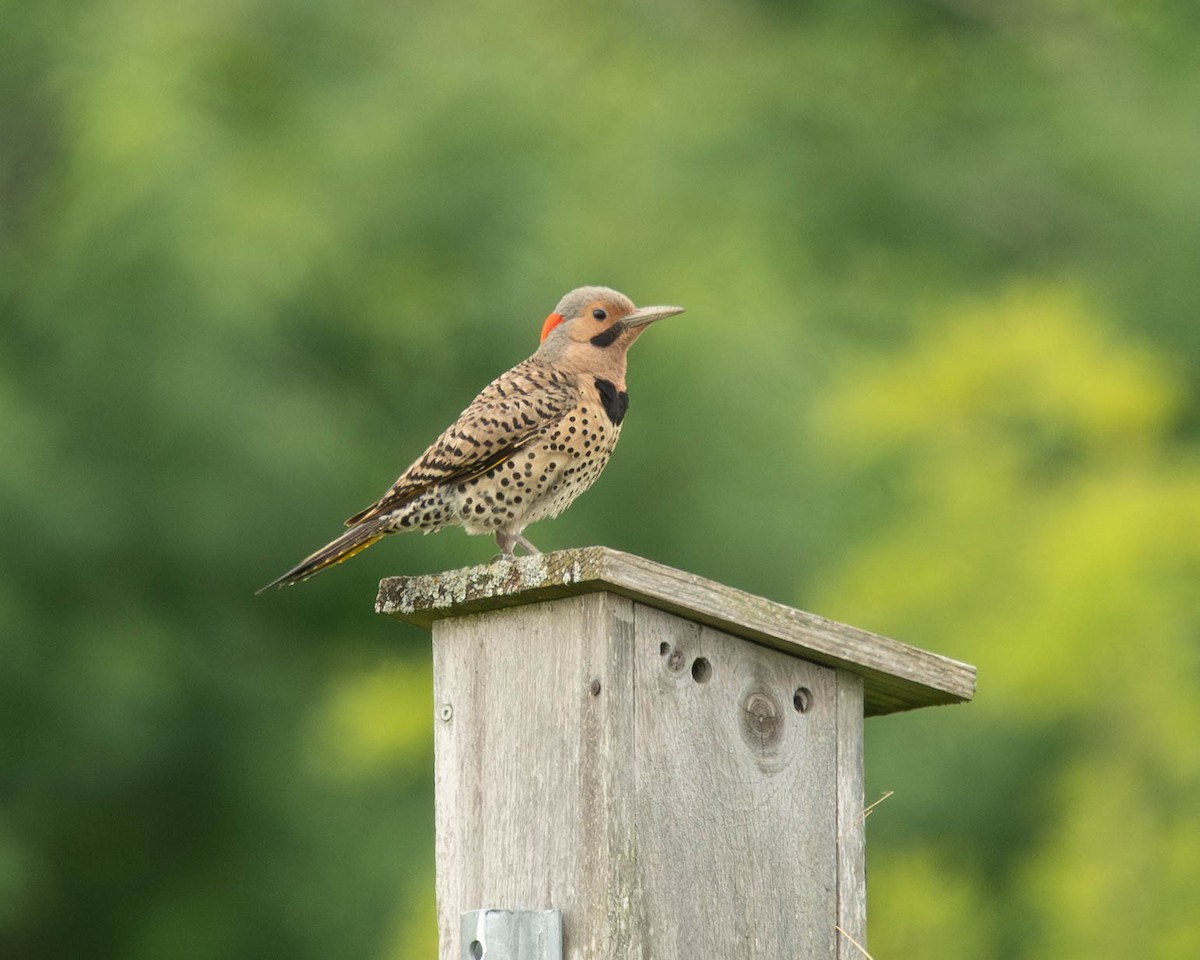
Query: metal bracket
(511, 935)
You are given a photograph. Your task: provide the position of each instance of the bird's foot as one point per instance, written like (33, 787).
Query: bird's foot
(505, 541)
(508, 541)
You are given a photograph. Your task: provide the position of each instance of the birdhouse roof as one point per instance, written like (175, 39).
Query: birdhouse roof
(896, 676)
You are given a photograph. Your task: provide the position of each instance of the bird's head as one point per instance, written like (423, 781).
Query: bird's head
(592, 327)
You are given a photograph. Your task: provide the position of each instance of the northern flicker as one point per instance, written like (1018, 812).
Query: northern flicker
(533, 440)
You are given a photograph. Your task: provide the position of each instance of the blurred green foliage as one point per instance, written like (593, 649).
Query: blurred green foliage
(938, 378)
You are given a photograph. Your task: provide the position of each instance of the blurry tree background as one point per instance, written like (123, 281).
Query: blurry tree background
(938, 378)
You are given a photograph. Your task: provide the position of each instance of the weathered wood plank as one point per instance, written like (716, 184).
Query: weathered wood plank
(896, 676)
(522, 762)
(736, 795)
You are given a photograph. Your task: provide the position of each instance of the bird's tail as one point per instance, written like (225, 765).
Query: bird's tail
(357, 538)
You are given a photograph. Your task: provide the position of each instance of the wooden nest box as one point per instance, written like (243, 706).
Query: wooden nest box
(674, 767)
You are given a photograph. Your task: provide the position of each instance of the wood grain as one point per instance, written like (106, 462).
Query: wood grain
(851, 819)
(895, 676)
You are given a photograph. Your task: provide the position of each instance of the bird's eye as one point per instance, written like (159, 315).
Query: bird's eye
(599, 314)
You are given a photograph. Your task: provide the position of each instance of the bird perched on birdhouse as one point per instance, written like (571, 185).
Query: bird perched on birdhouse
(533, 440)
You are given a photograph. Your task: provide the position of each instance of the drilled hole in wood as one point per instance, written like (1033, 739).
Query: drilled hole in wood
(802, 699)
(664, 648)
(594, 688)
(475, 949)
(701, 670)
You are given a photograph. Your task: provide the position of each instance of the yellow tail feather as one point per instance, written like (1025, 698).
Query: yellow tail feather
(353, 541)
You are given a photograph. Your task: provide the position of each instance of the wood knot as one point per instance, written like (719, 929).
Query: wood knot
(761, 723)
(676, 660)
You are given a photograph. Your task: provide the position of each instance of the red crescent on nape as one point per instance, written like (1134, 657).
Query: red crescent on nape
(552, 321)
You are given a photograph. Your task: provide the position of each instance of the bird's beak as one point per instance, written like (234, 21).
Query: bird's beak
(645, 315)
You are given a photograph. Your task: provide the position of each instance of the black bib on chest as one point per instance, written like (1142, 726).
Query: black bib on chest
(615, 401)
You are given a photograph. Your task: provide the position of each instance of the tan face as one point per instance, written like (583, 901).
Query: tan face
(601, 322)
(585, 313)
